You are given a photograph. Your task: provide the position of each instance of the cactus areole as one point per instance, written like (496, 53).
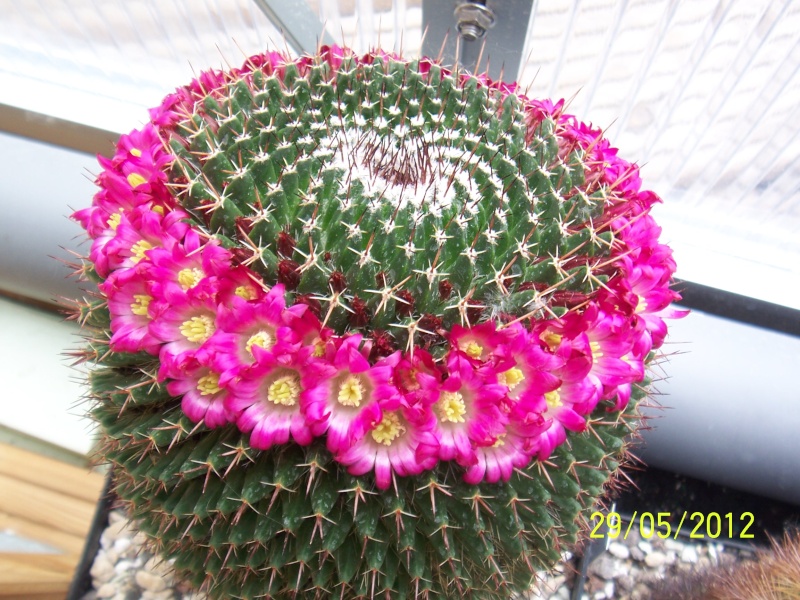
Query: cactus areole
(367, 327)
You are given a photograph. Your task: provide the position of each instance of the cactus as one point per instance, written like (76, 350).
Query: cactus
(367, 327)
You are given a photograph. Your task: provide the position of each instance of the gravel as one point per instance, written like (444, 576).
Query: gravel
(627, 569)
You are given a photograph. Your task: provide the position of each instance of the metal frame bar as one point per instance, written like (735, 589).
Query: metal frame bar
(58, 132)
(499, 52)
(736, 307)
(297, 22)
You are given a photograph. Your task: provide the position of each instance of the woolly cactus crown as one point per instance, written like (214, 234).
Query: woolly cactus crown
(368, 327)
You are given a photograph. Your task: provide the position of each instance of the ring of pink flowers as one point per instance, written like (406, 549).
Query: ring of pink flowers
(162, 273)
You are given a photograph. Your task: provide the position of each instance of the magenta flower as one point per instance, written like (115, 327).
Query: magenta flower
(204, 395)
(240, 281)
(468, 414)
(418, 378)
(646, 271)
(611, 342)
(245, 330)
(476, 343)
(560, 409)
(389, 446)
(143, 149)
(137, 232)
(189, 267)
(129, 299)
(183, 325)
(511, 450)
(524, 368)
(354, 392)
(116, 197)
(268, 401)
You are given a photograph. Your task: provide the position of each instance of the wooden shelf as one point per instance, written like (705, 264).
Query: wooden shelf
(53, 503)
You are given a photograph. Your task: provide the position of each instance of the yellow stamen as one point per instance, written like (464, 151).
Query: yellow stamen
(553, 399)
(552, 339)
(246, 292)
(113, 220)
(351, 392)
(596, 353)
(197, 329)
(208, 385)
(284, 390)
(138, 250)
(319, 348)
(136, 180)
(388, 430)
(451, 407)
(472, 349)
(641, 305)
(158, 209)
(136, 152)
(188, 278)
(511, 378)
(140, 304)
(262, 339)
(500, 441)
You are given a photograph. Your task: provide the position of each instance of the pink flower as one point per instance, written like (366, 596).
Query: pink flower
(354, 391)
(476, 343)
(129, 299)
(610, 338)
(418, 378)
(108, 205)
(560, 412)
(511, 450)
(188, 267)
(245, 330)
(141, 147)
(203, 394)
(268, 401)
(468, 414)
(137, 232)
(646, 271)
(183, 325)
(389, 446)
(524, 368)
(242, 282)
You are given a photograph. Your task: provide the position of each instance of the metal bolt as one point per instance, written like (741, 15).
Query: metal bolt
(474, 19)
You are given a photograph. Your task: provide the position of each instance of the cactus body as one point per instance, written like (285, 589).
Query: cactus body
(368, 328)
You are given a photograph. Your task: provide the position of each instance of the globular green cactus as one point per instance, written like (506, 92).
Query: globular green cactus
(368, 328)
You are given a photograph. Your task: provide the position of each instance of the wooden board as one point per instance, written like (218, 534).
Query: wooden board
(50, 502)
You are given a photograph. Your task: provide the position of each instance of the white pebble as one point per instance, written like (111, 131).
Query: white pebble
(121, 545)
(645, 547)
(123, 566)
(150, 582)
(102, 570)
(162, 595)
(107, 590)
(619, 550)
(655, 559)
(159, 567)
(671, 544)
(689, 555)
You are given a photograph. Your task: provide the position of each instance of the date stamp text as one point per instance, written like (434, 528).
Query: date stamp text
(663, 524)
